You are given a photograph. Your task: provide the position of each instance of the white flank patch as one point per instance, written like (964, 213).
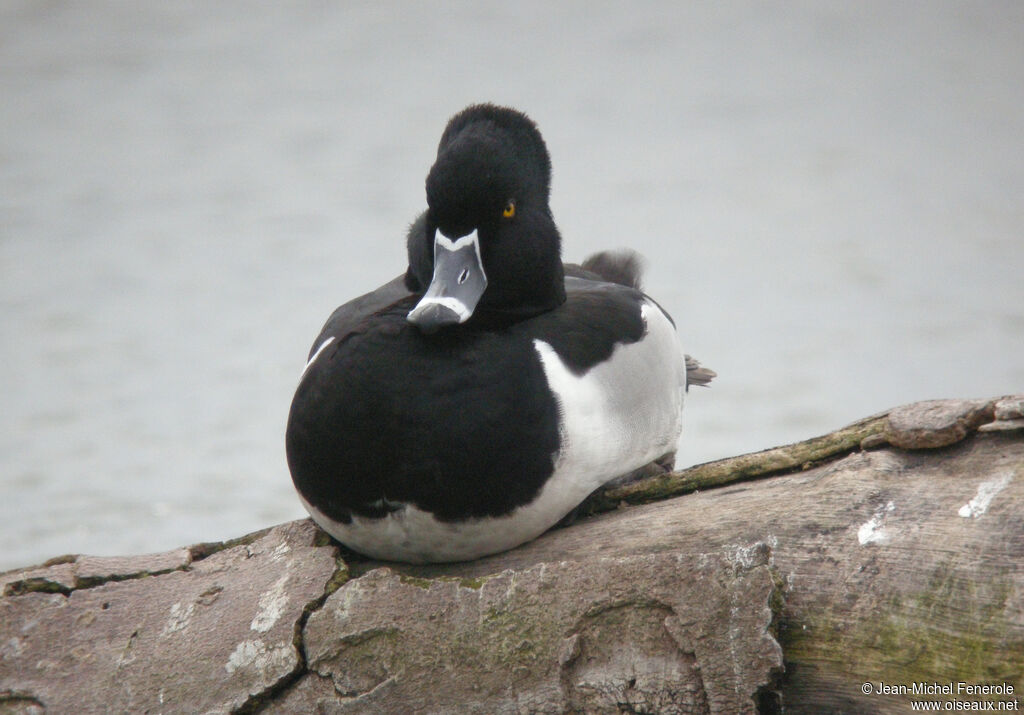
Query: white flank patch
(618, 416)
(986, 493)
(871, 531)
(624, 412)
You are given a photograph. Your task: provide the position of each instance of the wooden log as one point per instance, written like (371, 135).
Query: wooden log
(842, 574)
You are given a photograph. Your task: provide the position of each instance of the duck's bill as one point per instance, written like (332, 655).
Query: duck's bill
(456, 286)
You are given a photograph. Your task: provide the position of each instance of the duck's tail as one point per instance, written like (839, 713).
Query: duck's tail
(621, 266)
(696, 374)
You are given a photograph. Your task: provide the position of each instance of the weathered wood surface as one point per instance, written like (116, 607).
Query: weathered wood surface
(789, 578)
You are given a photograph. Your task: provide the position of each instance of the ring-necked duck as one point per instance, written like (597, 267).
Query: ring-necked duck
(466, 407)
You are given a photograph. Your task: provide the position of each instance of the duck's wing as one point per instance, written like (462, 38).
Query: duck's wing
(349, 317)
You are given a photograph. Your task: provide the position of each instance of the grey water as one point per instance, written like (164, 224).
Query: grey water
(830, 198)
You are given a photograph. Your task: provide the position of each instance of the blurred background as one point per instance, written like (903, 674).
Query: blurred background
(830, 198)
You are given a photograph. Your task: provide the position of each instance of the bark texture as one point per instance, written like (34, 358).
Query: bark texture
(888, 553)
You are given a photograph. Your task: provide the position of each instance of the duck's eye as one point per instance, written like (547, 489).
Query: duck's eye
(510, 209)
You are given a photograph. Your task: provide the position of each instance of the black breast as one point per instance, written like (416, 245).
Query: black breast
(458, 423)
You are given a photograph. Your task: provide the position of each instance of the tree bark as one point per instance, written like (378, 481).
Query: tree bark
(862, 571)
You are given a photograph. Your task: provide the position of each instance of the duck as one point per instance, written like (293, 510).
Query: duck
(470, 404)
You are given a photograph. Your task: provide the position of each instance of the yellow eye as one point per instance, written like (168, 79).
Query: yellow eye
(510, 209)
